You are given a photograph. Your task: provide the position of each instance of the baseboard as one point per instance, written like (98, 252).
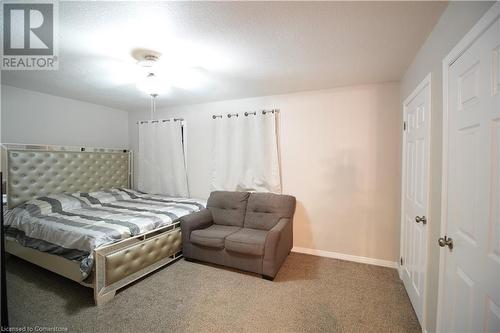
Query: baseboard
(348, 257)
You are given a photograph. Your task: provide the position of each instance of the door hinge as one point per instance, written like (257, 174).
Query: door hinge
(404, 125)
(401, 261)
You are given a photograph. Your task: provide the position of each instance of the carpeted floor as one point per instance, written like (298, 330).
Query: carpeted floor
(310, 294)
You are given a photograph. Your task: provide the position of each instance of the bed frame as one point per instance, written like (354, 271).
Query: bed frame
(34, 170)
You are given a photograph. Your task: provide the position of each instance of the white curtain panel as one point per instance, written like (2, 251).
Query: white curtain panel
(162, 167)
(246, 155)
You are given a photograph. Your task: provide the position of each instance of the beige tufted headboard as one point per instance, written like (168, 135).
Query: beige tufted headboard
(33, 173)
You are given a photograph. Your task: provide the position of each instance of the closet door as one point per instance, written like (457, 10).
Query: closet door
(415, 194)
(470, 278)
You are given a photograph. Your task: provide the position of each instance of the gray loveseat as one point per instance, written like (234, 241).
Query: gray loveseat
(249, 231)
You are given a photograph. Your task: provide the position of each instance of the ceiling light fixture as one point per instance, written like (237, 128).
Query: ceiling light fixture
(152, 84)
(148, 63)
(158, 77)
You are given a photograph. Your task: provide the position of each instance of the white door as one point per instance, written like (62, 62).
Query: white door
(470, 286)
(415, 189)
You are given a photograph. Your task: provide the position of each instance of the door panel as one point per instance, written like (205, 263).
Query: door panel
(496, 71)
(468, 86)
(417, 277)
(420, 166)
(407, 238)
(410, 188)
(467, 179)
(464, 289)
(492, 320)
(494, 221)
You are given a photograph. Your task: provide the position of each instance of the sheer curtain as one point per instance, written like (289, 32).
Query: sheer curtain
(245, 152)
(162, 167)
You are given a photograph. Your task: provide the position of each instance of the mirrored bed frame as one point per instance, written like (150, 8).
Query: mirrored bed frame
(34, 170)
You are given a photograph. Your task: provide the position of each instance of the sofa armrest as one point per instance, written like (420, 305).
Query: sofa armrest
(200, 217)
(199, 220)
(279, 243)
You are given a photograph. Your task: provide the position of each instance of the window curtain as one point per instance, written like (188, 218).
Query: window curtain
(162, 167)
(245, 152)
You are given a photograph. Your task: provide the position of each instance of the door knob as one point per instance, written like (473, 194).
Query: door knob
(445, 241)
(422, 219)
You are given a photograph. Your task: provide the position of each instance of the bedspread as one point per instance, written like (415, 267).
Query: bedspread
(72, 225)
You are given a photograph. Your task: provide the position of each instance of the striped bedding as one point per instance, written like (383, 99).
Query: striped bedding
(73, 225)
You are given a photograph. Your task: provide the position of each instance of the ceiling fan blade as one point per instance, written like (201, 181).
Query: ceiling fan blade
(117, 71)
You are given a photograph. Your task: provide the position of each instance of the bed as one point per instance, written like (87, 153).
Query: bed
(73, 212)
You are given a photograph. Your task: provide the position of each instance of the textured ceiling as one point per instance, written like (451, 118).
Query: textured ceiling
(246, 48)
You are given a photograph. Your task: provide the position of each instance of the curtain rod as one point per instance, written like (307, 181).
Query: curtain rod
(157, 121)
(229, 115)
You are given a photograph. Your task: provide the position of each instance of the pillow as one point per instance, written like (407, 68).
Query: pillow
(104, 196)
(53, 203)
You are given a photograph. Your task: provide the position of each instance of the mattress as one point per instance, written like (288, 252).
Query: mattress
(73, 225)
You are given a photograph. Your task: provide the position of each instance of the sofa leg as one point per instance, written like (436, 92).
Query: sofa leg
(188, 259)
(267, 277)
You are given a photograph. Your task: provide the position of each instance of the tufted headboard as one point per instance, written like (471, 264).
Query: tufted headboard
(34, 173)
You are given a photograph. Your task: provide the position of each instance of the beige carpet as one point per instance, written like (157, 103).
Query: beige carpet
(310, 294)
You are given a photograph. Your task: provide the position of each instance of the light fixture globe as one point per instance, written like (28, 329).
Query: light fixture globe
(152, 85)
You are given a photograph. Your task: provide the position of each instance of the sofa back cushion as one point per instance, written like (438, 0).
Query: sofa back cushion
(228, 208)
(264, 210)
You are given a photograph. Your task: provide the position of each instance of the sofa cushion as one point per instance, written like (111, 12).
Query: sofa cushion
(247, 241)
(212, 236)
(228, 208)
(264, 210)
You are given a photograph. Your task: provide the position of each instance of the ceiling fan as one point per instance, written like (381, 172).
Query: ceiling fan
(159, 77)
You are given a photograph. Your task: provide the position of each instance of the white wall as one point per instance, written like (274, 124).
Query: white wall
(32, 117)
(455, 22)
(340, 151)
